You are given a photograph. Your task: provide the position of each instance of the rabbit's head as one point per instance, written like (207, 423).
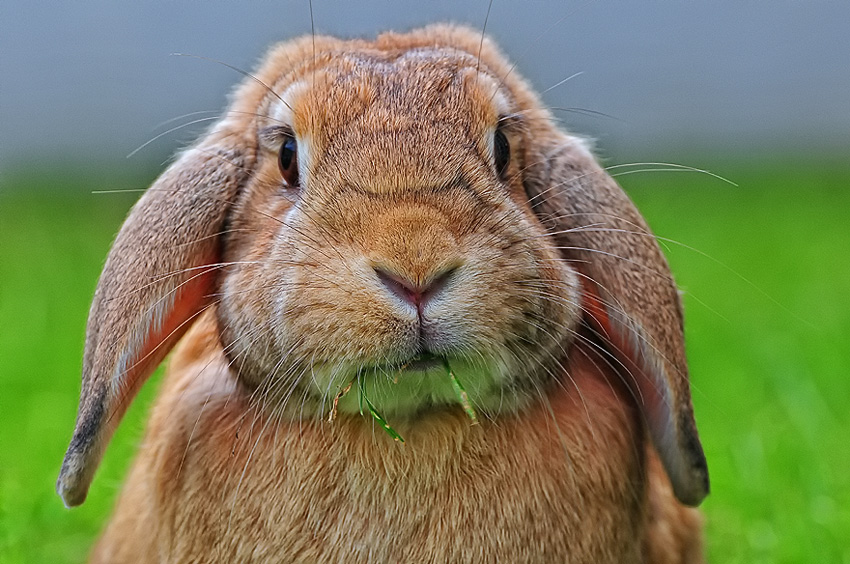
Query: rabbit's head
(387, 212)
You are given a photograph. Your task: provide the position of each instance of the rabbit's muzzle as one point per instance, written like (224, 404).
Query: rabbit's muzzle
(395, 282)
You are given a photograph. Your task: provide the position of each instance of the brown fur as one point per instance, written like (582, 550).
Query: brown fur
(520, 489)
(553, 304)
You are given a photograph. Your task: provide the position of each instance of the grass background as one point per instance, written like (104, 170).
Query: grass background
(765, 269)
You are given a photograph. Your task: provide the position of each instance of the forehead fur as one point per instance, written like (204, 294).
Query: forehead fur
(423, 104)
(394, 91)
(436, 67)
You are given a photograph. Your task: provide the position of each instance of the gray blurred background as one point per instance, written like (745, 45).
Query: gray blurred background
(89, 82)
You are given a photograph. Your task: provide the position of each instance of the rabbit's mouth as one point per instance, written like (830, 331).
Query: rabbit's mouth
(422, 363)
(419, 362)
(404, 390)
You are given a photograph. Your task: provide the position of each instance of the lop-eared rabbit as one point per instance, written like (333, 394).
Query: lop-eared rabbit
(414, 320)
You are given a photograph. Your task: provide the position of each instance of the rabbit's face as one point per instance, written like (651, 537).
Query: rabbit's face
(396, 241)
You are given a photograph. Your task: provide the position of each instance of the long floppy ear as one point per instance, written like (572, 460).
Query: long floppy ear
(631, 299)
(158, 277)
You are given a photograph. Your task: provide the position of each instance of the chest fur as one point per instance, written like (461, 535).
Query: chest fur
(218, 479)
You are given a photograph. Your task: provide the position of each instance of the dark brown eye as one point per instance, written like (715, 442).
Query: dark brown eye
(288, 161)
(501, 152)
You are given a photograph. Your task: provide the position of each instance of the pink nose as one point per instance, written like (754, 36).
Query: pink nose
(416, 294)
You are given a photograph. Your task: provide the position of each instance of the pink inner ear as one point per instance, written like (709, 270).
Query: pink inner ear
(190, 299)
(651, 396)
(669, 419)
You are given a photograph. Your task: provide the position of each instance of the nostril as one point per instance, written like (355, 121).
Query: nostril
(407, 290)
(414, 293)
(438, 282)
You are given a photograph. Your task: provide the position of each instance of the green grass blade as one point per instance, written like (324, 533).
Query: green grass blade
(376, 415)
(462, 396)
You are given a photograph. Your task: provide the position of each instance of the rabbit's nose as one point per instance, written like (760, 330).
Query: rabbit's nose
(413, 292)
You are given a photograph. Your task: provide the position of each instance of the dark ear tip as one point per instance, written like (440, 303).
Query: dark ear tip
(697, 487)
(693, 498)
(84, 450)
(699, 479)
(77, 469)
(71, 488)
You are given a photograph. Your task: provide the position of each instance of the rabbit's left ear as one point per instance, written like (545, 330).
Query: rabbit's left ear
(160, 274)
(630, 298)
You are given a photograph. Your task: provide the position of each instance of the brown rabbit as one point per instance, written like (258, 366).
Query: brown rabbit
(392, 236)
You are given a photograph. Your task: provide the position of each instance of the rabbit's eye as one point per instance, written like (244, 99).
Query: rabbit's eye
(501, 152)
(288, 161)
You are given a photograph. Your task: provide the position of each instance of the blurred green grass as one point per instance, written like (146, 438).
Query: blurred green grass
(765, 272)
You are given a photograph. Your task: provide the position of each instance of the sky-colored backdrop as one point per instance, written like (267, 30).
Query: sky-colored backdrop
(91, 81)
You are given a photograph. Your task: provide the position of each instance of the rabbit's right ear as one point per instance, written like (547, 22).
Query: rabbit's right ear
(630, 298)
(159, 275)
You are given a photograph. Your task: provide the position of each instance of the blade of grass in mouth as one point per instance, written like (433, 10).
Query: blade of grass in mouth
(460, 392)
(374, 412)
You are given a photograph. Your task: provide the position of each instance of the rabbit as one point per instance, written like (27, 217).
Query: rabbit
(414, 320)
